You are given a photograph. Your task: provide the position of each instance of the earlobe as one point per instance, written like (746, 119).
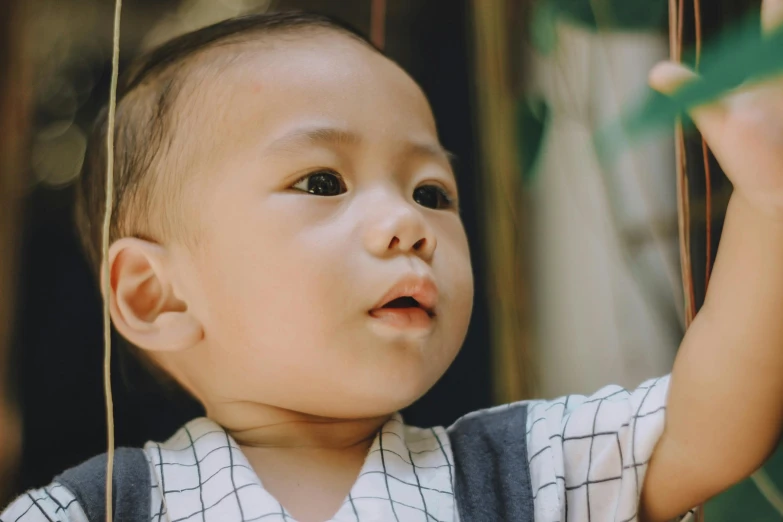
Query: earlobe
(144, 307)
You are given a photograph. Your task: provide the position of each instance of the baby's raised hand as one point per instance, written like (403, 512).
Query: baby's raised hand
(744, 129)
(729, 363)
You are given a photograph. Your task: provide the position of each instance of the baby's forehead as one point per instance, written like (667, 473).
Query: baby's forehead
(254, 85)
(308, 64)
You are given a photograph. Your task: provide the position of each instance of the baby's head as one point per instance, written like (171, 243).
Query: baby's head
(278, 183)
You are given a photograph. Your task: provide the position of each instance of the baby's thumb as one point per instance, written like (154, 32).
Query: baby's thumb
(771, 15)
(668, 77)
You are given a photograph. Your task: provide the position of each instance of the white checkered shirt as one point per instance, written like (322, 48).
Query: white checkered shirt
(587, 458)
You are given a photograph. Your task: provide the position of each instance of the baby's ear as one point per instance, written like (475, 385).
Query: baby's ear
(144, 307)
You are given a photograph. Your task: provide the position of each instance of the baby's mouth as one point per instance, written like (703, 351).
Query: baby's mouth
(404, 312)
(407, 302)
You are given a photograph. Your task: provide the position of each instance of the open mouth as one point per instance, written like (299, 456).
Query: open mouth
(407, 302)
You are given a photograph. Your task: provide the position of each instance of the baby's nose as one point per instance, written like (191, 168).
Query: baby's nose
(402, 229)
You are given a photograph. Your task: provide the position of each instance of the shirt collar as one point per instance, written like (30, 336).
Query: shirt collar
(203, 475)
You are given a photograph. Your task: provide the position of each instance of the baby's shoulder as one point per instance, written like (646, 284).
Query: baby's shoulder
(611, 401)
(542, 452)
(53, 503)
(79, 493)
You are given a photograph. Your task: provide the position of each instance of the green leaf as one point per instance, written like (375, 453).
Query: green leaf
(615, 14)
(740, 56)
(543, 28)
(532, 120)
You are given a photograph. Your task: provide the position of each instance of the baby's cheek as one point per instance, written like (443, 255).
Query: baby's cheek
(453, 267)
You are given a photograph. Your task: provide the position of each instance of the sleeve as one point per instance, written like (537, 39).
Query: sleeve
(588, 455)
(53, 503)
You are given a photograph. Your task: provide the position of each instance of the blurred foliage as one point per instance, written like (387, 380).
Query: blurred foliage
(533, 116)
(740, 55)
(614, 14)
(594, 14)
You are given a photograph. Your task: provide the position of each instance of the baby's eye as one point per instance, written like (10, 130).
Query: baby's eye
(322, 183)
(432, 196)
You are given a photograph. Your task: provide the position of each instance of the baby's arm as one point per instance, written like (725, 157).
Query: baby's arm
(725, 401)
(725, 405)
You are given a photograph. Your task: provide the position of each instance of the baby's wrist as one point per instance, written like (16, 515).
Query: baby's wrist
(763, 209)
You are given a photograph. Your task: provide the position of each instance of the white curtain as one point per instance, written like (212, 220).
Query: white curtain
(606, 276)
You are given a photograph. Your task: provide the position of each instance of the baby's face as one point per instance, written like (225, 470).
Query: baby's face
(321, 194)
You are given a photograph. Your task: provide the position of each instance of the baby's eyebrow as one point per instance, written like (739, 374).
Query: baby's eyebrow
(432, 150)
(328, 135)
(315, 135)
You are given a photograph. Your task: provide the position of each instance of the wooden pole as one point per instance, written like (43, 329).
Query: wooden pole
(504, 217)
(14, 116)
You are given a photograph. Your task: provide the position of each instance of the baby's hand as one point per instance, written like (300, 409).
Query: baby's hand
(745, 129)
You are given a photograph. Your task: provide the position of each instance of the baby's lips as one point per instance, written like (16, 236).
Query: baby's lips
(422, 289)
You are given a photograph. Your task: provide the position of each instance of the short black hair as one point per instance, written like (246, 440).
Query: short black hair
(144, 130)
(145, 97)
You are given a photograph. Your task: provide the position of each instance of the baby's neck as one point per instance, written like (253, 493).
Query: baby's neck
(308, 463)
(262, 426)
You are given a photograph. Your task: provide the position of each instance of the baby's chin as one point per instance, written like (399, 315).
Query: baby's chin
(383, 397)
(361, 408)
(369, 387)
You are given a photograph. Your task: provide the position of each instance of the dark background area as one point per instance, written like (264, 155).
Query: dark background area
(57, 342)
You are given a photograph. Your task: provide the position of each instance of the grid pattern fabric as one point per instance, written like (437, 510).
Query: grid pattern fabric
(588, 455)
(203, 476)
(587, 459)
(200, 474)
(52, 503)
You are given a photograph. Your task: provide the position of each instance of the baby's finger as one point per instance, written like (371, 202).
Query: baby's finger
(771, 15)
(668, 77)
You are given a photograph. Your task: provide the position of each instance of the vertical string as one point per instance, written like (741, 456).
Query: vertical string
(378, 23)
(697, 23)
(115, 65)
(675, 30)
(706, 156)
(676, 8)
(676, 16)
(680, 27)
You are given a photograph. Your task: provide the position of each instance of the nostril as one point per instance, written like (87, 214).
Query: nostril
(419, 244)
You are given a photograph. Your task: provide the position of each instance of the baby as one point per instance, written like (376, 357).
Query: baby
(287, 247)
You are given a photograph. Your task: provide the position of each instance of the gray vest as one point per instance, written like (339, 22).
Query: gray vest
(491, 482)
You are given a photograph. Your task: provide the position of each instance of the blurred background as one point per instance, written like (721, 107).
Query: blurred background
(576, 259)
